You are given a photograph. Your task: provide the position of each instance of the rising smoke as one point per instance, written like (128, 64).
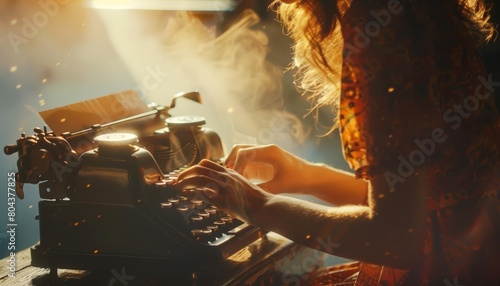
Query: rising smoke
(168, 52)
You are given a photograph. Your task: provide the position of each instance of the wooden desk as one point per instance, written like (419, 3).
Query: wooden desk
(259, 263)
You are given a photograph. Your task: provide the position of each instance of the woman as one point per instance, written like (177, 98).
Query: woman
(419, 127)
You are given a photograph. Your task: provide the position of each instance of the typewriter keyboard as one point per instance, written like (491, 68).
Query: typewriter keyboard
(189, 211)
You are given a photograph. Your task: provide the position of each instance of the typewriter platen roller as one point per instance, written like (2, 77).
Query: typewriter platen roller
(113, 205)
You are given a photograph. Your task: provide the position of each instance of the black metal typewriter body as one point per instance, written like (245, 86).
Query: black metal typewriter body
(113, 205)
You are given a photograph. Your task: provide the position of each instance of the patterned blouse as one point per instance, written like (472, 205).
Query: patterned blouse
(414, 93)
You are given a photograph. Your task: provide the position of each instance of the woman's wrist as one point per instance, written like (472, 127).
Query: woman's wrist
(256, 207)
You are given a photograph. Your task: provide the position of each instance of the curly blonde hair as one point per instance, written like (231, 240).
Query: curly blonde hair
(314, 26)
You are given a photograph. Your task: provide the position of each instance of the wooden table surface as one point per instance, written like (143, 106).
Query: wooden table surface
(256, 264)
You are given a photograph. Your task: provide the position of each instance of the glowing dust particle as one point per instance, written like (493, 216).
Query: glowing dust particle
(230, 110)
(44, 80)
(96, 251)
(390, 89)
(58, 64)
(13, 69)
(76, 224)
(62, 120)
(41, 102)
(13, 21)
(19, 86)
(308, 236)
(40, 94)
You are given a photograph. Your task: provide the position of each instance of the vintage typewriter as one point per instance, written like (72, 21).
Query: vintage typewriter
(107, 201)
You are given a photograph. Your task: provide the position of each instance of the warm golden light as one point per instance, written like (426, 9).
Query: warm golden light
(174, 5)
(241, 256)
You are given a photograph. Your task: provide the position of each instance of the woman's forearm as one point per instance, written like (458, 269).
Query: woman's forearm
(389, 231)
(350, 231)
(336, 186)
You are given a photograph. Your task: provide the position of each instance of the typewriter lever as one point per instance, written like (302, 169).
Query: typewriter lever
(46, 158)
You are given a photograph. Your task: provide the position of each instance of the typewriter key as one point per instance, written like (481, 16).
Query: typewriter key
(197, 232)
(213, 227)
(211, 211)
(173, 174)
(204, 214)
(164, 182)
(166, 205)
(173, 201)
(227, 219)
(196, 218)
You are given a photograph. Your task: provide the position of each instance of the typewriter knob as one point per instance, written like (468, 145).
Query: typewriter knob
(11, 149)
(116, 139)
(185, 121)
(116, 143)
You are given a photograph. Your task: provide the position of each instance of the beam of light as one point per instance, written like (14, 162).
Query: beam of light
(172, 5)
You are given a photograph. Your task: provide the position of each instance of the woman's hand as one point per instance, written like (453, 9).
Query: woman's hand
(276, 170)
(224, 188)
(283, 172)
